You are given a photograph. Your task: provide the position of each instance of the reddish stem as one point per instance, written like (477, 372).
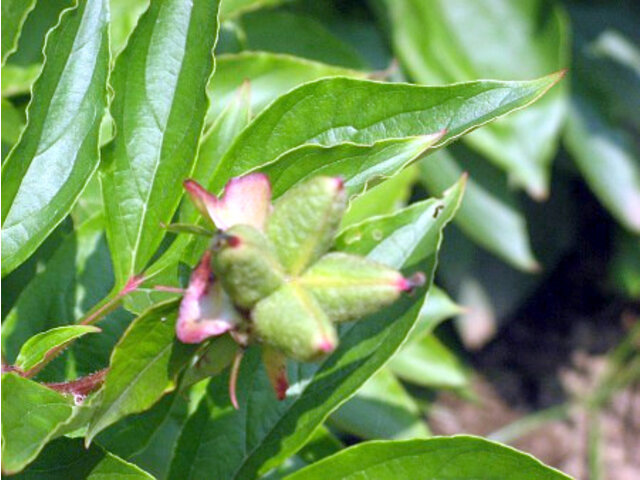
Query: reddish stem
(82, 386)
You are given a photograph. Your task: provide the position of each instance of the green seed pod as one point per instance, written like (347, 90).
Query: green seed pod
(348, 287)
(304, 221)
(246, 265)
(291, 321)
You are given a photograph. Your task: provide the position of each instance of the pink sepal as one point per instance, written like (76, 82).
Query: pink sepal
(246, 200)
(205, 310)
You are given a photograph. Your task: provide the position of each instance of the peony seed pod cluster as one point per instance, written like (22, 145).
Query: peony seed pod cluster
(269, 278)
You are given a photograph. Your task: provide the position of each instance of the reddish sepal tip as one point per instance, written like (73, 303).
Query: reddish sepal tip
(408, 284)
(326, 346)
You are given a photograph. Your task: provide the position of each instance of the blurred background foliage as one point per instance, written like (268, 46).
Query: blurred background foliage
(541, 273)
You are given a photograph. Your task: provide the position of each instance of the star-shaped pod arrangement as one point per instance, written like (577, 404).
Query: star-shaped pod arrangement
(268, 276)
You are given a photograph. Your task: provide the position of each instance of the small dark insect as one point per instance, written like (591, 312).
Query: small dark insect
(437, 211)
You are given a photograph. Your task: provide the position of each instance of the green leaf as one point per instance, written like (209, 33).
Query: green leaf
(459, 458)
(382, 199)
(312, 39)
(67, 285)
(358, 165)
(322, 443)
(158, 109)
(337, 110)
(44, 17)
(443, 41)
(17, 80)
(156, 457)
(427, 362)
(415, 228)
(382, 408)
(12, 123)
(437, 308)
(30, 415)
(61, 136)
(269, 74)
(67, 458)
(132, 434)
(216, 141)
(124, 17)
(608, 159)
(144, 365)
(14, 13)
(489, 214)
(264, 432)
(36, 349)
(233, 8)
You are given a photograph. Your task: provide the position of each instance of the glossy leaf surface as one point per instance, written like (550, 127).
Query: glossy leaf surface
(61, 136)
(159, 106)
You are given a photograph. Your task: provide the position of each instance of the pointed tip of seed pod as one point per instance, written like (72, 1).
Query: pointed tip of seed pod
(326, 345)
(408, 284)
(338, 183)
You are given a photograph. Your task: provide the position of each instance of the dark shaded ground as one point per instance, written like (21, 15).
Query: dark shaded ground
(550, 352)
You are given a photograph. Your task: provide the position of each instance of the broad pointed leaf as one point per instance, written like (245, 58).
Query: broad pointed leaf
(269, 74)
(426, 361)
(75, 277)
(459, 458)
(313, 40)
(61, 136)
(159, 106)
(31, 414)
(382, 408)
(67, 458)
(337, 110)
(144, 365)
(357, 165)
